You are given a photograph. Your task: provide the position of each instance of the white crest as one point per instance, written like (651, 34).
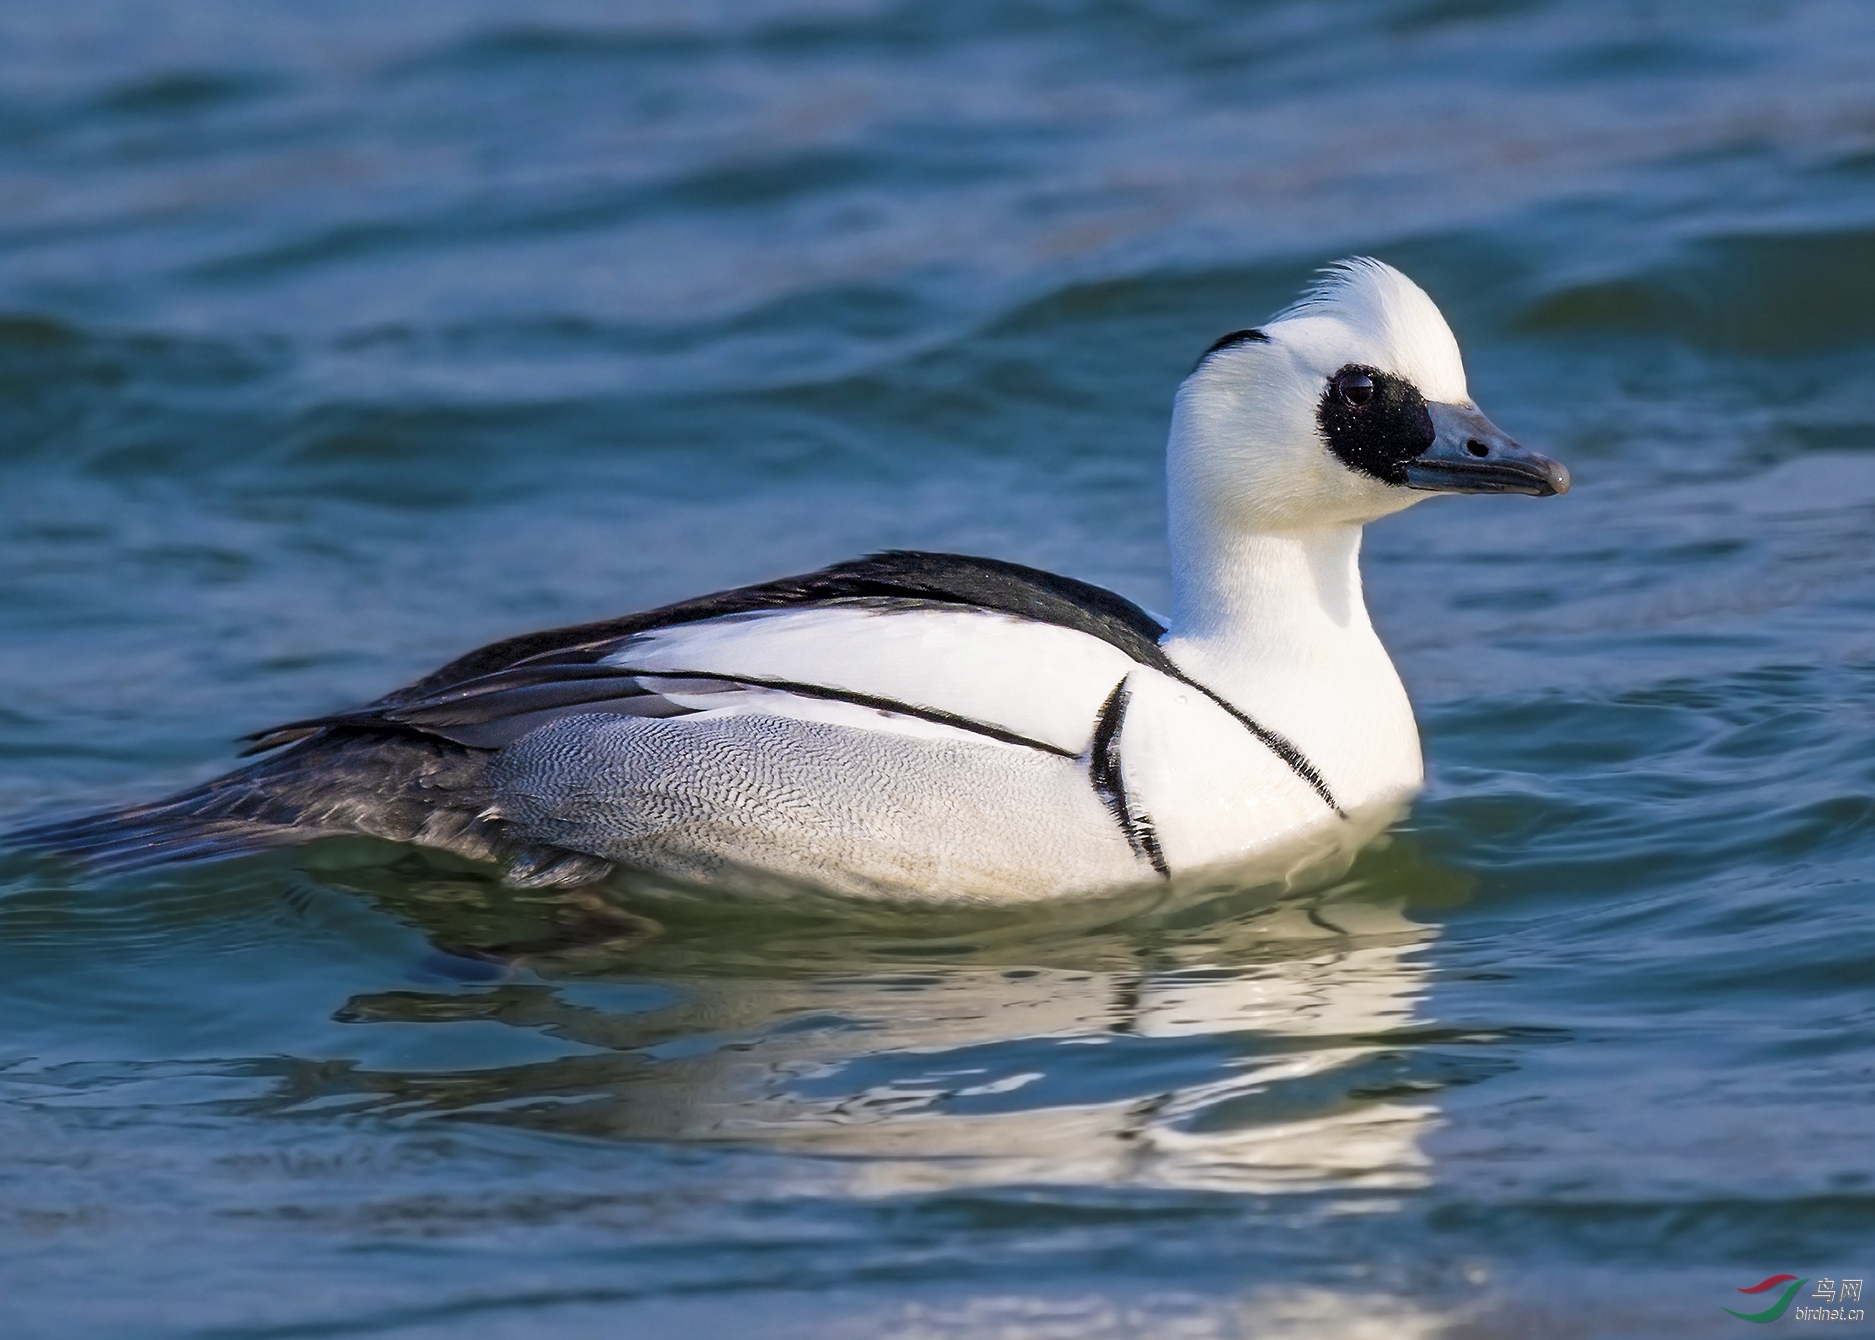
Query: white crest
(1392, 315)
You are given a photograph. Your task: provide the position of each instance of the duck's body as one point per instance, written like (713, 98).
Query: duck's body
(919, 739)
(937, 726)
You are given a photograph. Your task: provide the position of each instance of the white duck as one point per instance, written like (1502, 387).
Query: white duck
(941, 727)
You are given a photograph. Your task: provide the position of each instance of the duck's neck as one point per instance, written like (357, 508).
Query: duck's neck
(1254, 603)
(1276, 623)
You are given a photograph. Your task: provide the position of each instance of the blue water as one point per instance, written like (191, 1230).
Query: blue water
(338, 339)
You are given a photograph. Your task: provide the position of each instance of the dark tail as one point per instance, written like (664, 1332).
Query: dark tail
(405, 788)
(172, 830)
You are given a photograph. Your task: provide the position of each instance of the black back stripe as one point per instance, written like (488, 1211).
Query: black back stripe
(1103, 769)
(931, 714)
(460, 713)
(954, 580)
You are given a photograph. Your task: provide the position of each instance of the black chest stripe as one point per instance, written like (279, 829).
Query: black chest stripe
(1278, 744)
(1103, 769)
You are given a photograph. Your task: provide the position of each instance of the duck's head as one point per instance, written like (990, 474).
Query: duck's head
(1347, 406)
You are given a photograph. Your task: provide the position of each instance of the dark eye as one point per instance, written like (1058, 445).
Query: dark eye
(1354, 388)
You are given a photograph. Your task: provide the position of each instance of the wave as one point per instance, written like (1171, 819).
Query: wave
(1765, 293)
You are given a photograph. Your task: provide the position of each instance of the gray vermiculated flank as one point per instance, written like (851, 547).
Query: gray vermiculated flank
(805, 800)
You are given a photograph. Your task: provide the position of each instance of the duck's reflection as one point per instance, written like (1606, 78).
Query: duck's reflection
(1241, 1043)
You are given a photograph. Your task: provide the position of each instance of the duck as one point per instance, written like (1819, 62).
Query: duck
(932, 726)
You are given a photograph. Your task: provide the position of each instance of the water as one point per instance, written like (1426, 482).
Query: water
(336, 340)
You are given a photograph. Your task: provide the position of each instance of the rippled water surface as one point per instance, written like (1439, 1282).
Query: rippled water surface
(337, 339)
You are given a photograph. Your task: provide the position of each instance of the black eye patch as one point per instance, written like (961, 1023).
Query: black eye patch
(1374, 421)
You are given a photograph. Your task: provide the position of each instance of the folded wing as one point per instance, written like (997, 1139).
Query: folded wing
(977, 645)
(985, 673)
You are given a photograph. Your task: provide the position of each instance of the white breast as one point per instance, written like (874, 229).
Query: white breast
(1213, 791)
(1338, 699)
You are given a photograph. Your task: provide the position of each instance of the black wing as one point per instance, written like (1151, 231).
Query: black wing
(903, 575)
(497, 692)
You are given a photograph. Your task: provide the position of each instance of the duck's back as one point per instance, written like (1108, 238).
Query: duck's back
(908, 723)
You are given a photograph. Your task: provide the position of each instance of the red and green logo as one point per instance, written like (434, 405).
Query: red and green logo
(1777, 1309)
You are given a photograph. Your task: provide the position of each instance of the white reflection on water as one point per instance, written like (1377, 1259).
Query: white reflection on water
(903, 1082)
(1279, 1313)
(1259, 1053)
